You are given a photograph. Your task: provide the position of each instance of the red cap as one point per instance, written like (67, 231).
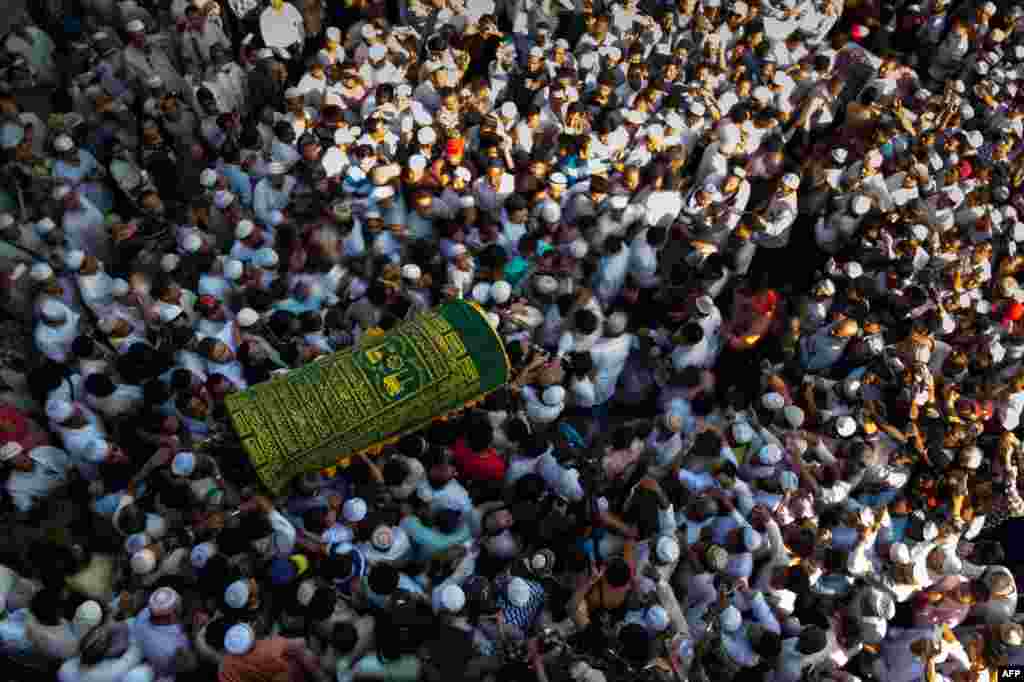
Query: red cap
(860, 32)
(207, 302)
(765, 302)
(966, 170)
(1014, 312)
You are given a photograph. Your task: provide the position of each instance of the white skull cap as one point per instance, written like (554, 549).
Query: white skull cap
(245, 229)
(143, 562)
(183, 464)
(192, 243)
(788, 481)
(354, 510)
(481, 292)
(453, 598)
(234, 269)
(73, 259)
(773, 401)
(501, 291)
(742, 433)
(846, 426)
(208, 178)
(657, 618)
(202, 553)
(730, 619)
(411, 272)
(667, 549)
(553, 396)
(239, 639)
(860, 204)
(518, 592)
(770, 454)
(40, 272)
(794, 416)
(88, 615)
(236, 595)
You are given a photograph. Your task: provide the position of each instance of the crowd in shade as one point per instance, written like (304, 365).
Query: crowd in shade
(754, 264)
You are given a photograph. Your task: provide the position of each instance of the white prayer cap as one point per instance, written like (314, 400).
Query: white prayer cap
(579, 249)
(553, 396)
(794, 416)
(546, 284)
(192, 243)
(537, 52)
(208, 178)
(9, 451)
(183, 464)
(155, 81)
(550, 212)
(169, 262)
(45, 226)
(846, 426)
(655, 131)
(202, 553)
(237, 594)
(276, 168)
(698, 109)
(730, 619)
(88, 615)
(292, 93)
(501, 291)
(853, 270)
(245, 229)
(742, 433)
(989, 8)
(459, 250)
(616, 323)
(403, 90)
(635, 117)
(384, 191)
(63, 143)
(143, 562)
(518, 592)
(169, 313)
(788, 481)
(467, 201)
(773, 401)
(618, 202)
(233, 269)
(61, 191)
(826, 288)
(334, 34)
(494, 320)
(354, 510)
(667, 549)
(222, 199)
(481, 292)
(304, 595)
(164, 601)
(839, 155)
(59, 411)
(343, 136)
(426, 136)
(377, 53)
(656, 618)
(860, 204)
(770, 454)
(247, 317)
(970, 457)
(762, 94)
(41, 272)
(674, 121)
(411, 272)
(418, 162)
(267, 258)
(463, 174)
(239, 639)
(54, 311)
(453, 599)
(558, 178)
(509, 110)
(791, 180)
(919, 232)
(135, 26)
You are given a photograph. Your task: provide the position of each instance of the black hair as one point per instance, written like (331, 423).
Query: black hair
(322, 604)
(344, 638)
(47, 607)
(83, 347)
(100, 385)
(692, 333)
(480, 435)
(618, 573)
(383, 579)
(585, 321)
(447, 521)
(394, 471)
(215, 632)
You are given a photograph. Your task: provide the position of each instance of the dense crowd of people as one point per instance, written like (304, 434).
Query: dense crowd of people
(754, 264)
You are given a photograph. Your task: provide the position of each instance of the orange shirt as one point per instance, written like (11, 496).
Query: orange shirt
(266, 662)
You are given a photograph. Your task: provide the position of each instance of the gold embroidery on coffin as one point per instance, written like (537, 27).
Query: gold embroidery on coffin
(350, 402)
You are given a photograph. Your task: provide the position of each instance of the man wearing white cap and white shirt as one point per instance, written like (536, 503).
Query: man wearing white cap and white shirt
(143, 58)
(56, 330)
(83, 223)
(773, 224)
(162, 636)
(282, 26)
(35, 474)
(272, 196)
(81, 432)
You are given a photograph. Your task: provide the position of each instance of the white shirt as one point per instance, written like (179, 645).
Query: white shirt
(282, 28)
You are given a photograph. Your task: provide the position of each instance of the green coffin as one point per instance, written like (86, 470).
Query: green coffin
(319, 415)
